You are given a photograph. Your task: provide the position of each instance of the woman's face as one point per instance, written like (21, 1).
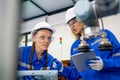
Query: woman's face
(42, 39)
(76, 26)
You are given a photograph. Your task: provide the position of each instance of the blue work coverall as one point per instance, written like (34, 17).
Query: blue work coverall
(24, 60)
(111, 61)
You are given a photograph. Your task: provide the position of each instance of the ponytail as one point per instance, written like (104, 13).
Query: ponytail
(31, 55)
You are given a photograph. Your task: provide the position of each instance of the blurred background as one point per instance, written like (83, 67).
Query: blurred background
(18, 17)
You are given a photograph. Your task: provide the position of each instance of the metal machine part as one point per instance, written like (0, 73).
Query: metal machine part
(104, 44)
(83, 46)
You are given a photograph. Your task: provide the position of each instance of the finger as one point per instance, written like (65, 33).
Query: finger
(94, 61)
(92, 64)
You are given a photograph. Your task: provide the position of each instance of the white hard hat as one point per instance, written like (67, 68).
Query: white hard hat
(70, 14)
(42, 25)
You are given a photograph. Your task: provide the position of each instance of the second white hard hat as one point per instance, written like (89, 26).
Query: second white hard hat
(69, 14)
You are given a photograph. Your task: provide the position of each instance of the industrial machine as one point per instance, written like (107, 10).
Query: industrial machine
(89, 12)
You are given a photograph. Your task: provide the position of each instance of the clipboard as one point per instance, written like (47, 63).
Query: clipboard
(80, 59)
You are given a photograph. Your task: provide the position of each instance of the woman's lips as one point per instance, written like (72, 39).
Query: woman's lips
(74, 30)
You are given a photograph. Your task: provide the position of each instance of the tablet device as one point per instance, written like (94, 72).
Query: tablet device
(80, 59)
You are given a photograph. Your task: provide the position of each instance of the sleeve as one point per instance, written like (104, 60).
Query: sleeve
(22, 60)
(113, 62)
(55, 64)
(115, 43)
(70, 73)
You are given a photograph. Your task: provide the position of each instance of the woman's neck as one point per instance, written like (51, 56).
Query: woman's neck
(39, 53)
(39, 56)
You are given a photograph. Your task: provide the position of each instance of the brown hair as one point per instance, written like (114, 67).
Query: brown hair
(32, 53)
